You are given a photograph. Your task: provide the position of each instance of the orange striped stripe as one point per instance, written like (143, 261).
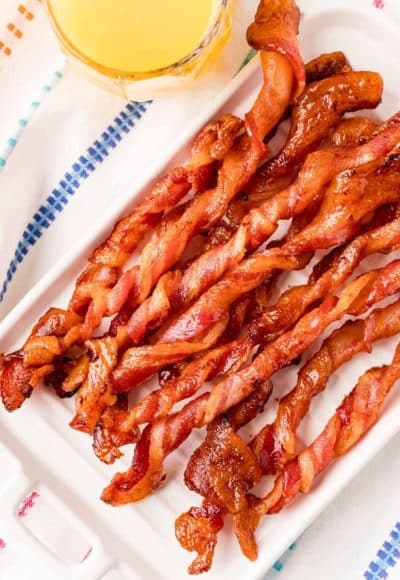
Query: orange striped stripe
(14, 28)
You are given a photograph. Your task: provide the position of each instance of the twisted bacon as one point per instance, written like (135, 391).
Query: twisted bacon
(88, 409)
(96, 394)
(222, 470)
(261, 187)
(319, 108)
(295, 301)
(275, 444)
(117, 428)
(358, 412)
(350, 198)
(274, 321)
(326, 65)
(274, 33)
(165, 435)
(57, 330)
(358, 87)
(16, 380)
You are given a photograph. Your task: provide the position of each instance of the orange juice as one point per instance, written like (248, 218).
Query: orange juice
(133, 36)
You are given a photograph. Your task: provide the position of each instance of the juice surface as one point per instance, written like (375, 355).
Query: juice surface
(134, 35)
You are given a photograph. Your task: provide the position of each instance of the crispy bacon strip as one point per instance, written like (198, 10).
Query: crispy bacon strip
(353, 131)
(282, 65)
(348, 199)
(332, 103)
(274, 321)
(278, 57)
(162, 437)
(222, 470)
(357, 195)
(115, 428)
(96, 393)
(270, 453)
(326, 65)
(16, 380)
(275, 444)
(108, 432)
(297, 299)
(358, 412)
(177, 289)
(261, 187)
(57, 330)
(107, 260)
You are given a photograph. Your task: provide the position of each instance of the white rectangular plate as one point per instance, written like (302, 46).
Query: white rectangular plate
(137, 541)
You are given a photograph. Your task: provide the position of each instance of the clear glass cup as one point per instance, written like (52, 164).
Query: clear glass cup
(149, 84)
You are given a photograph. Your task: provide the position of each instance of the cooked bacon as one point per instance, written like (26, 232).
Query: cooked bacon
(107, 260)
(115, 426)
(275, 28)
(97, 393)
(260, 187)
(57, 330)
(257, 267)
(139, 363)
(350, 197)
(282, 64)
(329, 99)
(275, 445)
(177, 289)
(358, 412)
(162, 437)
(222, 470)
(157, 404)
(297, 299)
(353, 131)
(326, 65)
(100, 276)
(15, 382)
(243, 158)
(46, 342)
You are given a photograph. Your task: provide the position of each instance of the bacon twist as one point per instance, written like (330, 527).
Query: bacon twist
(16, 380)
(96, 393)
(141, 362)
(58, 330)
(296, 300)
(261, 186)
(117, 428)
(348, 200)
(274, 321)
(282, 68)
(358, 412)
(177, 289)
(281, 62)
(318, 169)
(272, 450)
(162, 437)
(275, 444)
(222, 470)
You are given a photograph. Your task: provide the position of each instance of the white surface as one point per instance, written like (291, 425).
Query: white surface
(141, 536)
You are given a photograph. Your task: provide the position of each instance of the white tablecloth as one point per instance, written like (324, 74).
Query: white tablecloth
(66, 150)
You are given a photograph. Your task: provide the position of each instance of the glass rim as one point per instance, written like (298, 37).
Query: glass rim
(171, 69)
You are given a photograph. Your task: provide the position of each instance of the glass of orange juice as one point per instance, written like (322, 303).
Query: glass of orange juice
(140, 48)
